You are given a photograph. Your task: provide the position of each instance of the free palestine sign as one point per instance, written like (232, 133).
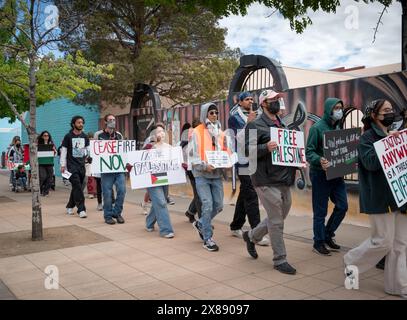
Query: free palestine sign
(291, 150)
(156, 167)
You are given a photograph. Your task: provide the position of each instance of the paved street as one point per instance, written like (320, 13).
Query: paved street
(136, 264)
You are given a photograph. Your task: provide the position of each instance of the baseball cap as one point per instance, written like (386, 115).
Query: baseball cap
(268, 94)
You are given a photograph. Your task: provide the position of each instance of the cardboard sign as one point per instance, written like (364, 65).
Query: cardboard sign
(341, 150)
(156, 167)
(220, 159)
(291, 147)
(392, 153)
(110, 155)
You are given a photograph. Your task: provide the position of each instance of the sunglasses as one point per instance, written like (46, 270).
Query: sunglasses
(213, 112)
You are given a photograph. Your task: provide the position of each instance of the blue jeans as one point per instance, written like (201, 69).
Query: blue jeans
(210, 192)
(22, 182)
(159, 211)
(107, 182)
(322, 191)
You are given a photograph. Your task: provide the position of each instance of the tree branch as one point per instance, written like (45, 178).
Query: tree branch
(14, 83)
(13, 108)
(378, 23)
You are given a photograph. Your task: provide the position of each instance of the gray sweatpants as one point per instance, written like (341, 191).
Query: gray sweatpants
(388, 238)
(277, 202)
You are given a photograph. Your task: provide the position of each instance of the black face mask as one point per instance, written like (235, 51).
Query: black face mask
(388, 119)
(273, 107)
(18, 145)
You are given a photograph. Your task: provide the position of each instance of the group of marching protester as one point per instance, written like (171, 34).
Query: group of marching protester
(261, 180)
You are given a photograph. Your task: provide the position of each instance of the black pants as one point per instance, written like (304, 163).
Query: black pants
(98, 190)
(46, 178)
(247, 204)
(77, 197)
(195, 205)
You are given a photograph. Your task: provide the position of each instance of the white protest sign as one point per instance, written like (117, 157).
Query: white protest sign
(110, 155)
(156, 167)
(392, 153)
(220, 159)
(291, 147)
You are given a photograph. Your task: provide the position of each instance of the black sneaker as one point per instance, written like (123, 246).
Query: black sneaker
(119, 219)
(190, 216)
(381, 263)
(197, 227)
(210, 245)
(250, 246)
(285, 268)
(321, 250)
(332, 245)
(110, 221)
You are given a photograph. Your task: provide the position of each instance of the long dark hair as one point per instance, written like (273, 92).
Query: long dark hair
(41, 139)
(373, 107)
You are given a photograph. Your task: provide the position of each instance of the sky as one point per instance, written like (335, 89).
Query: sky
(333, 40)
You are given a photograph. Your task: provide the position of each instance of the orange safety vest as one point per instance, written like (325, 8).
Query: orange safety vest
(205, 141)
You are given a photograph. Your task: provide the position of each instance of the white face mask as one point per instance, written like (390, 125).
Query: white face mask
(337, 115)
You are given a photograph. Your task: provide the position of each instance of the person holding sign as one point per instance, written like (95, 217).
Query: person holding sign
(108, 180)
(271, 182)
(208, 137)
(74, 153)
(247, 203)
(46, 154)
(323, 189)
(159, 210)
(388, 224)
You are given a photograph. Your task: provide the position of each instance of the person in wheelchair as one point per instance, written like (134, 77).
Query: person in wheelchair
(20, 179)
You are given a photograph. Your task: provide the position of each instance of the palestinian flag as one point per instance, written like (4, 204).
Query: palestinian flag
(45, 154)
(159, 178)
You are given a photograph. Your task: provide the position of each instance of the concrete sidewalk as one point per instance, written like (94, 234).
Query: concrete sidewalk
(136, 264)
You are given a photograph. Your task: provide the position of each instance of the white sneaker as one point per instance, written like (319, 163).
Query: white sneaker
(82, 214)
(149, 229)
(69, 211)
(265, 241)
(237, 233)
(169, 235)
(100, 207)
(145, 206)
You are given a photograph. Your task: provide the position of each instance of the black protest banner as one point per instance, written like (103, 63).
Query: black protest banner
(340, 149)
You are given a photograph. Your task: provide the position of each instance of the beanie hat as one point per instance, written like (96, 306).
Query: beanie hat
(244, 95)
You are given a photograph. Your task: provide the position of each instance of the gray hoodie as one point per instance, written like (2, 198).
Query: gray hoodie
(199, 166)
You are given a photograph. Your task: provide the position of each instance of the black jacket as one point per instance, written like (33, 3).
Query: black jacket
(266, 173)
(375, 195)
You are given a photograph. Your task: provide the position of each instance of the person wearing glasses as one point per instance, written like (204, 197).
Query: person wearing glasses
(46, 164)
(208, 136)
(108, 180)
(388, 222)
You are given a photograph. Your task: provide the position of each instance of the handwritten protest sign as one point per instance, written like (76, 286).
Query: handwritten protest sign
(392, 153)
(341, 150)
(156, 167)
(291, 149)
(110, 155)
(220, 159)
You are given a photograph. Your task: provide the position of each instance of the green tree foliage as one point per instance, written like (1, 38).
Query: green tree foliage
(29, 77)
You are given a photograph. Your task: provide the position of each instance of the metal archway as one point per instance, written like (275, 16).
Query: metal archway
(143, 114)
(251, 63)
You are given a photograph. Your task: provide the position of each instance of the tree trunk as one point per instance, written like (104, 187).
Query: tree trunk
(404, 36)
(32, 135)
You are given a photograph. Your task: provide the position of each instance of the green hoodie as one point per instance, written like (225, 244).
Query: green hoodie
(315, 141)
